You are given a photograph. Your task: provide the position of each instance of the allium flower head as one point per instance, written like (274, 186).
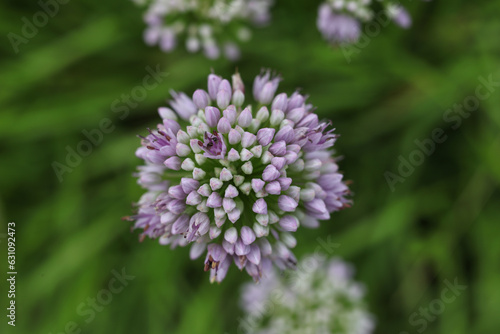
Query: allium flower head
(320, 297)
(212, 26)
(235, 179)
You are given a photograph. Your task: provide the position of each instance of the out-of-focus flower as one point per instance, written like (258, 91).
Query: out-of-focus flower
(340, 21)
(212, 27)
(237, 180)
(320, 297)
(399, 15)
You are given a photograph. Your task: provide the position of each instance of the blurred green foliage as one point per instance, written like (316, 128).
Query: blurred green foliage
(438, 225)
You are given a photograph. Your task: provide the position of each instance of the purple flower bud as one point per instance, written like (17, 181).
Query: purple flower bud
(225, 85)
(238, 98)
(291, 157)
(231, 191)
(201, 99)
(194, 198)
(294, 192)
(225, 174)
(228, 247)
(214, 200)
(247, 235)
(257, 185)
(278, 148)
(173, 163)
(213, 85)
(270, 173)
(267, 93)
(286, 203)
(311, 120)
(254, 255)
(277, 116)
(260, 206)
(260, 230)
(234, 137)
(231, 235)
(167, 113)
(245, 118)
(264, 89)
(233, 155)
(248, 139)
(228, 204)
(182, 150)
(224, 126)
(295, 115)
(265, 136)
(230, 114)
(223, 98)
(289, 223)
(177, 192)
(176, 206)
(234, 215)
(328, 181)
(278, 162)
(168, 218)
(180, 225)
(215, 183)
(240, 248)
(189, 185)
(317, 209)
(204, 190)
(246, 155)
(273, 188)
(212, 116)
(285, 183)
(237, 82)
(214, 232)
(280, 102)
(295, 101)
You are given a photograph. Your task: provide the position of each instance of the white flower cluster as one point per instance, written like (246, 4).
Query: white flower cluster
(320, 297)
(203, 25)
(340, 21)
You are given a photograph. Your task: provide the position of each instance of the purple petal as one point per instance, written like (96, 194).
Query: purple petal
(265, 136)
(260, 206)
(270, 173)
(289, 223)
(286, 203)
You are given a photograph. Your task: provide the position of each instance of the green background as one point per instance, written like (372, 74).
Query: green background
(438, 225)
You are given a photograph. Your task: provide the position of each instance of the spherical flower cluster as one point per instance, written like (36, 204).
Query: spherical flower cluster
(237, 180)
(206, 25)
(320, 297)
(339, 21)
